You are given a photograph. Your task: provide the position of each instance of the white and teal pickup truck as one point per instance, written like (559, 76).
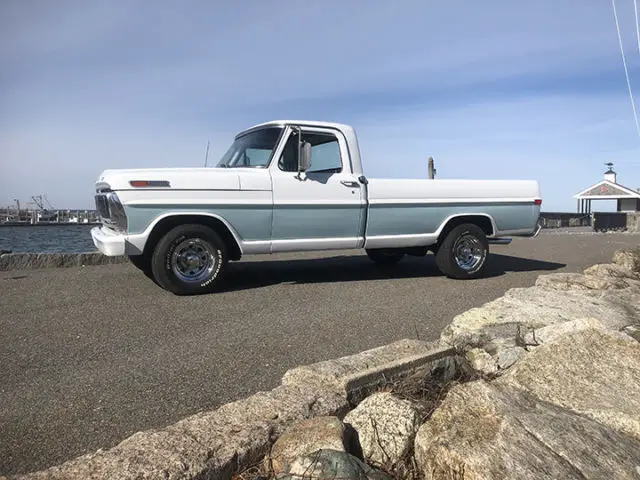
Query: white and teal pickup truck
(289, 186)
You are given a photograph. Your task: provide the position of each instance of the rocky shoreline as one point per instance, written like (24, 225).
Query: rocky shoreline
(543, 382)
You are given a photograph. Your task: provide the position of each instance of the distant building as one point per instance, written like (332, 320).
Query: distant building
(628, 199)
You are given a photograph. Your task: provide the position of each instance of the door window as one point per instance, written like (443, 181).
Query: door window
(325, 153)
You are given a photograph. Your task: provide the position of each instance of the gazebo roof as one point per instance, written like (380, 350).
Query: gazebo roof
(606, 190)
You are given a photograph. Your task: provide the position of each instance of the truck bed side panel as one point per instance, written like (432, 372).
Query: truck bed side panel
(421, 207)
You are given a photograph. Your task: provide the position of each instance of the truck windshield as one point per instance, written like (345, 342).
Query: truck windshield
(252, 150)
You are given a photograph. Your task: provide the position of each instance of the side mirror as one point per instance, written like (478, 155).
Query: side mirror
(304, 156)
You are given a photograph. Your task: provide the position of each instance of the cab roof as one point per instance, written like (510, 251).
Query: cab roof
(308, 123)
(347, 131)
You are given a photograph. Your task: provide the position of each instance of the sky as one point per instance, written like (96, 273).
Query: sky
(491, 90)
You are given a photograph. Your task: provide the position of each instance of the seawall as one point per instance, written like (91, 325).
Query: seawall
(23, 261)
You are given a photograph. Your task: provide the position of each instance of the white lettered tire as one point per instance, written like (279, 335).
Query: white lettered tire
(189, 259)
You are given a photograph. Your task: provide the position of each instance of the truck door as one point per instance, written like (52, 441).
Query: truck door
(323, 207)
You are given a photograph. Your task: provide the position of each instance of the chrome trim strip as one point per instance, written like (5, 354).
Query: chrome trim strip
(499, 241)
(197, 203)
(449, 201)
(307, 244)
(255, 247)
(393, 241)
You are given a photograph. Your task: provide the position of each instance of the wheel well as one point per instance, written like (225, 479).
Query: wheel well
(167, 223)
(480, 220)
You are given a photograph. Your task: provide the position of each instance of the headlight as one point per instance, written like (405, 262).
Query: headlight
(117, 215)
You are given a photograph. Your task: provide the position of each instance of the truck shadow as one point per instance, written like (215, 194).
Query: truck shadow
(356, 268)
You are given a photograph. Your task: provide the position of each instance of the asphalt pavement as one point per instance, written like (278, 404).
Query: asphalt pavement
(89, 356)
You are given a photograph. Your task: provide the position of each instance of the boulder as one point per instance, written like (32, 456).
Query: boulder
(570, 408)
(552, 332)
(633, 331)
(628, 258)
(577, 281)
(523, 309)
(481, 362)
(364, 373)
(304, 438)
(611, 270)
(495, 430)
(592, 372)
(507, 356)
(385, 426)
(330, 465)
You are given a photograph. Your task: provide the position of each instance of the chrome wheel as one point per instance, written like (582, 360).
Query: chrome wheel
(193, 260)
(468, 252)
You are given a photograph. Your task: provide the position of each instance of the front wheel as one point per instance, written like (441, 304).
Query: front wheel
(463, 253)
(189, 259)
(384, 257)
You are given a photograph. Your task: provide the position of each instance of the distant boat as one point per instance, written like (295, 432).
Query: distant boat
(47, 216)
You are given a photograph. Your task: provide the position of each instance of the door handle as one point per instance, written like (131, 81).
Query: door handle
(350, 183)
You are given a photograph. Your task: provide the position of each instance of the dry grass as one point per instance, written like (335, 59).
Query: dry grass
(427, 393)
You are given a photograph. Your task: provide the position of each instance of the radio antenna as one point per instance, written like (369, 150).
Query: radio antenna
(206, 155)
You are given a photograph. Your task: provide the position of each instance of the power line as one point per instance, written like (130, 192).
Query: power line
(635, 11)
(624, 63)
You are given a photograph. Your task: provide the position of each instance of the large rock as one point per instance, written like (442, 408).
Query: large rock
(386, 427)
(508, 356)
(481, 362)
(497, 431)
(522, 309)
(592, 372)
(577, 281)
(570, 408)
(628, 258)
(304, 438)
(558, 330)
(330, 465)
(366, 372)
(633, 331)
(611, 270)
(610, 293)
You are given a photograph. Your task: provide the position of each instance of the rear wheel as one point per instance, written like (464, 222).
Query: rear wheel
(463, 252)
(384, 257)
(189, 259)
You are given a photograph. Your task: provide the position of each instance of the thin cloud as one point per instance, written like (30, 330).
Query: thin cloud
(89, 86)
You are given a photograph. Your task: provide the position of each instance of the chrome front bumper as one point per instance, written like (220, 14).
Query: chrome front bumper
(109, 243)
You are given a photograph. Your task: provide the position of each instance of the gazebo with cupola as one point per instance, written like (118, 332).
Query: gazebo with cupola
(628, 200)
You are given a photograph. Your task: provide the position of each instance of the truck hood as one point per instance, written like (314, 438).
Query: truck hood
(175, 178)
